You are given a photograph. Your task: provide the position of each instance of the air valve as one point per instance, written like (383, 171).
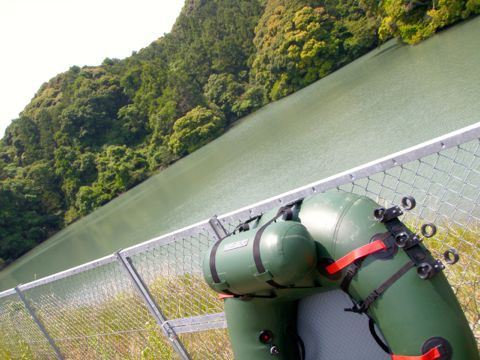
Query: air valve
(266, 337)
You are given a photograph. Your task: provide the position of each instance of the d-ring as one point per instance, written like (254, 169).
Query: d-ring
(408, 202)
(451, 256)
(428, 230)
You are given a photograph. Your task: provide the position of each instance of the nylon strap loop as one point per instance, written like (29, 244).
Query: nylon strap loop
(284, 210)
(432, 354)
(356, 254)
(256, 248)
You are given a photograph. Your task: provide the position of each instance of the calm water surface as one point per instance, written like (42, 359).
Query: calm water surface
(392, 98)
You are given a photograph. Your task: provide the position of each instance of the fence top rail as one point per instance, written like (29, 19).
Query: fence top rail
(399, 158)
(416, 152)
(167, 238)
(8, 292)
(69, 272)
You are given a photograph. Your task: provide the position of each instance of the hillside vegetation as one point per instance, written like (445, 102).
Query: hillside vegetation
(92, 133)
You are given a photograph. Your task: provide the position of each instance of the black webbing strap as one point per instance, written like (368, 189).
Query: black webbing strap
(287, 213)
(213, 267)
(285, 210)
(256, 247)
(362, 306)
(245, 225)
(213, 253)
(376, 337)
(352, 270)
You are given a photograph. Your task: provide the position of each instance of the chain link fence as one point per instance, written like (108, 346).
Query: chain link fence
(150, 301)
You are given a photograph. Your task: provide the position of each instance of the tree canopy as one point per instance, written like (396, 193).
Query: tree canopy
(91, 133)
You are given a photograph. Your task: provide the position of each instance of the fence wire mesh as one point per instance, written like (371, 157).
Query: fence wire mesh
(173, 273)
(210, 345)
(446, 186)
(20, 336)
(95, 312)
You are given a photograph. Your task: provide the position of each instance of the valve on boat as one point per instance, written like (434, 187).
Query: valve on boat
(274, 350)
(265, 337)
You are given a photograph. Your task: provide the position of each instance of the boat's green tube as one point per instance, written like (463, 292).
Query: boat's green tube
(416, 316)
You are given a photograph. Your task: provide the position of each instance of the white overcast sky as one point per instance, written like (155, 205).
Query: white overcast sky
(41, 38)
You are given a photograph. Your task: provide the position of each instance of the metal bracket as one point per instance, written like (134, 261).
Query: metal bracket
(39, 323)
(426, 266)
(152, 306)
(383, 215)
(217, 227)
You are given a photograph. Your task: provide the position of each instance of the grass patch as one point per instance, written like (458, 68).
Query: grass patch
(464, 276)
(122, 327)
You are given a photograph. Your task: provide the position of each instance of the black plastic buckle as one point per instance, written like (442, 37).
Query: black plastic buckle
(358, 308)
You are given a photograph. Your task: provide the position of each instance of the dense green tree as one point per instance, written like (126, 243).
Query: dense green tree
(415, 20)
(252, 99)
(223, 91)
(75, 169)
(23, 138)
(92, 133)
(299, 42)
(119, 168)
(195, 129)
(24, 220)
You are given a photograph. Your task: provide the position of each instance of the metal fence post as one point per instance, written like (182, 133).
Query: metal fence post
(217, 227)
(152, 306)
(39, 323)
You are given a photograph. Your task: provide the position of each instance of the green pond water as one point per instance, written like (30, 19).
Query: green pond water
(394, 97)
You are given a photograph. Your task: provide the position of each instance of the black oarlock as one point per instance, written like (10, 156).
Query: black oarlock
(408, 203)
(428, 230)
(451, 256)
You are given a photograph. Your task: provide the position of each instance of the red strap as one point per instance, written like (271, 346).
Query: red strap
(432, 354)
(356, 254)
(223, 296)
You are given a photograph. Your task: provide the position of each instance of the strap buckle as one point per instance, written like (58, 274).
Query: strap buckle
(358, 308)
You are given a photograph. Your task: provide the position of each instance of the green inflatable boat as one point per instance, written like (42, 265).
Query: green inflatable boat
(336, 276)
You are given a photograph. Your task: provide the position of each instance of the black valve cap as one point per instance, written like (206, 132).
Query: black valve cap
(265, 337)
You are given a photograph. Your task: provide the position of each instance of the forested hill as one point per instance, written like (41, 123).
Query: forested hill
(92, 133)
